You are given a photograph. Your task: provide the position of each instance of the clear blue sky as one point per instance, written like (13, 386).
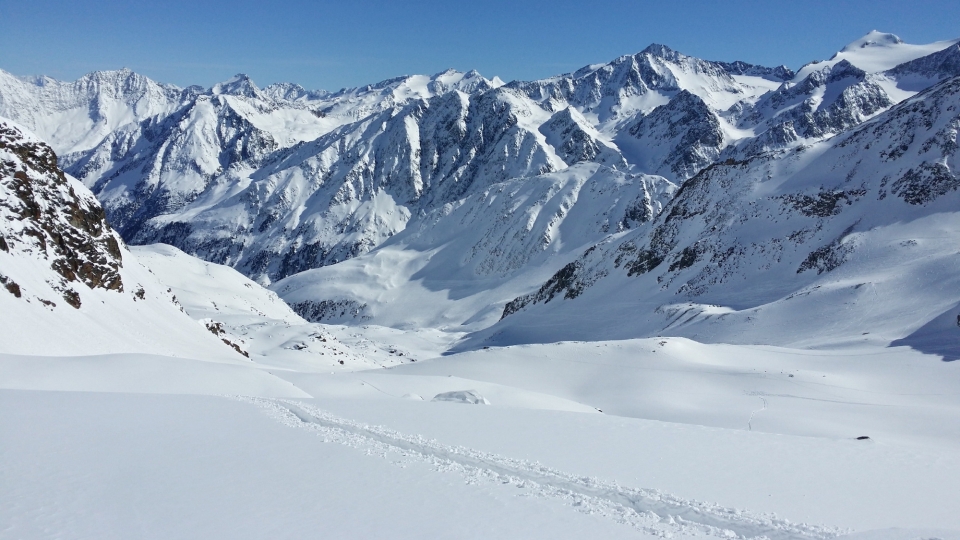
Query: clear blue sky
(330, 45)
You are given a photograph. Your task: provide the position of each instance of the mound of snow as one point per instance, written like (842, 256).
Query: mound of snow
(462, 396)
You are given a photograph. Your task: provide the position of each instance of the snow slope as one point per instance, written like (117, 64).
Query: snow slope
(455, 267)
(876, 52)
(264, 327)
(363, 457)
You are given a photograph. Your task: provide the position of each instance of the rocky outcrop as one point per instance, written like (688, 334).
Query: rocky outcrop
(43, 217)
(779, 73)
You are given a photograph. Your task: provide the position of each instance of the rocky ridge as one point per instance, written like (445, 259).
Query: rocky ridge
(70, 286)
(48, 217)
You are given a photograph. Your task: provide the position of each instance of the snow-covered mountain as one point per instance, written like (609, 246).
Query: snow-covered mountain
(74, 117)
(456, 266)
(415, 176)
(846, 241)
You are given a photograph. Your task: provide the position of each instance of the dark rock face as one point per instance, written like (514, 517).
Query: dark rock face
(46, 217)
(330, 310)
(564, 281)
(925, 183)
(779, 73)
(10, 285)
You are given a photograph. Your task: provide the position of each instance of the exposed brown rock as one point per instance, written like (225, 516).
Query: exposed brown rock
(71, 231)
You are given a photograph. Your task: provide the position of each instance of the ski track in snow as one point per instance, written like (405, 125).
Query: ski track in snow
(647, 510)
(754, 413)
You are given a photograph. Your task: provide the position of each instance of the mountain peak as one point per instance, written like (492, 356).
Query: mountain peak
(291, 92)
(238, 85)
(656, 49)
(110, 74)
(873, 39)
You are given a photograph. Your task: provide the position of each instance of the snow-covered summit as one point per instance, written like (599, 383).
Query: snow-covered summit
(873, 38)
(876, 52)
(238, 85)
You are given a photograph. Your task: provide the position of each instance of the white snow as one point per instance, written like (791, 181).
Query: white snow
(470, 397)
(688, 434)
(456, 267)
(876, 52)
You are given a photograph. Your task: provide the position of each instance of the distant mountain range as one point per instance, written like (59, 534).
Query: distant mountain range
(657, 194)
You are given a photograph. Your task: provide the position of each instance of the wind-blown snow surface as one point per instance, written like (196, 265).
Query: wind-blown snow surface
(693, 441)
(364, 458)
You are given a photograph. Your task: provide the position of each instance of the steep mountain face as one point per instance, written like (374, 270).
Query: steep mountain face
(339, 196)
(66, 274)
(849, 237)
(677, 139)
(159, 166)
(826, 102)
(457, 265)
(924, 71)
